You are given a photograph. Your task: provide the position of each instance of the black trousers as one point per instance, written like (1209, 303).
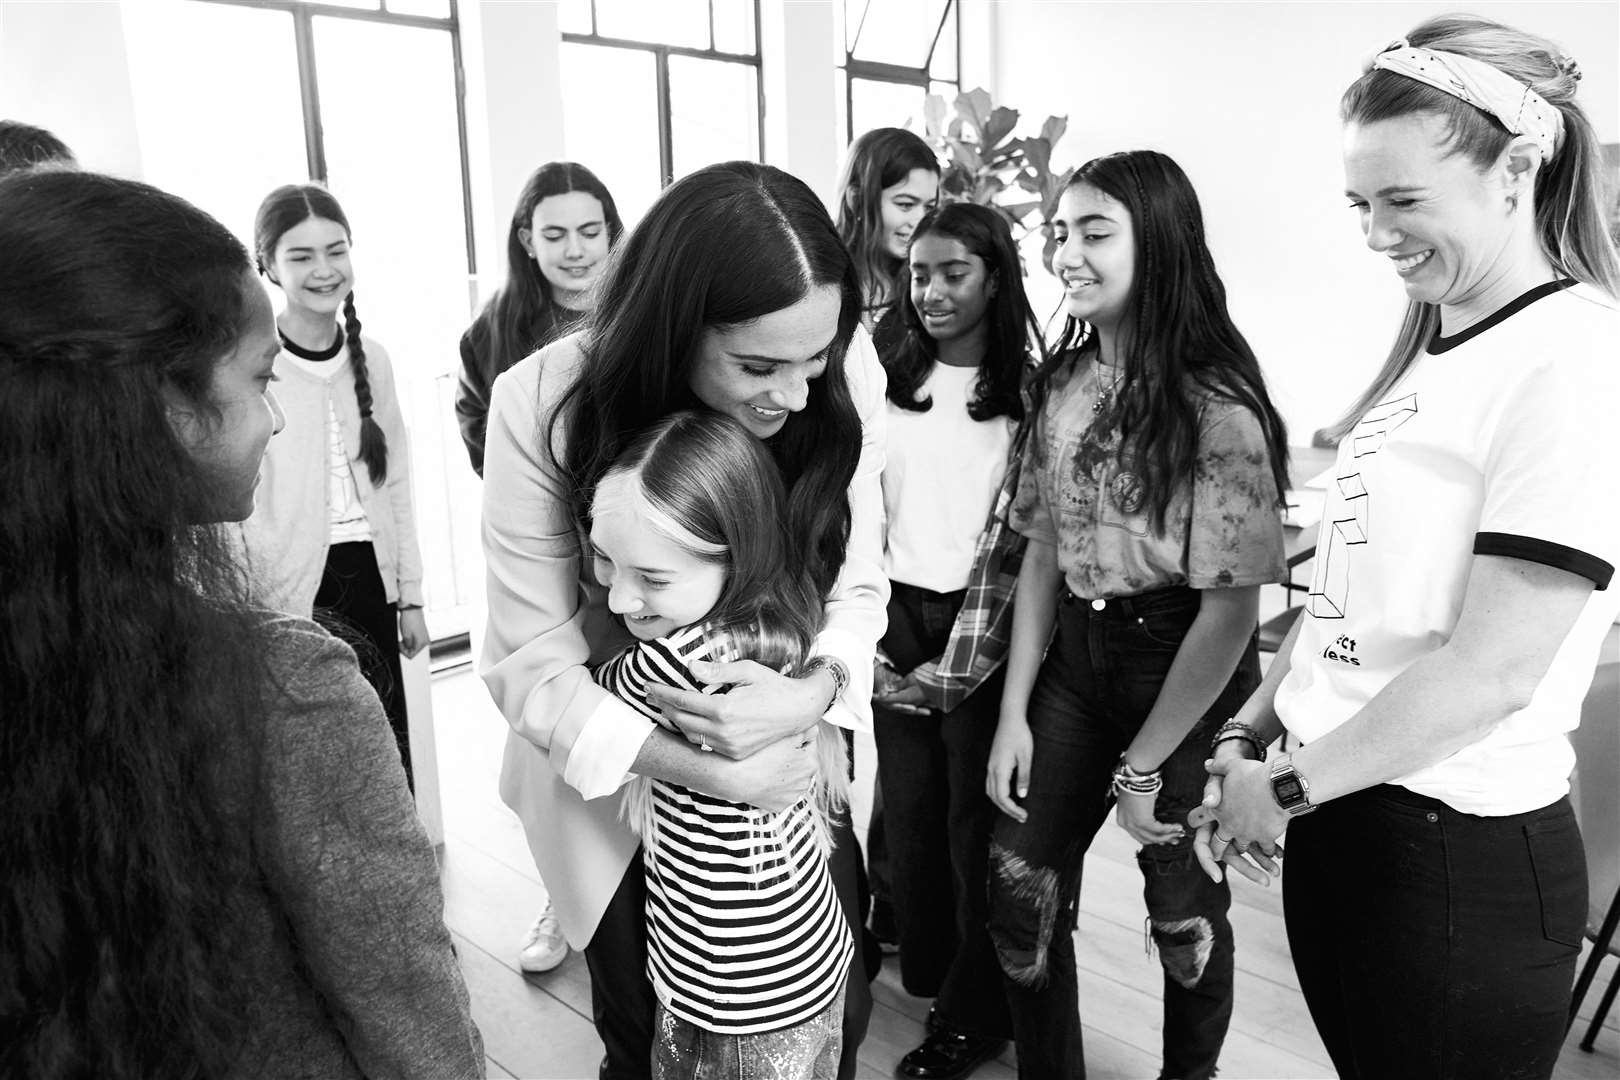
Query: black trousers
(1432, 944)
(352, 604)
(932, 771)
(622, 1000)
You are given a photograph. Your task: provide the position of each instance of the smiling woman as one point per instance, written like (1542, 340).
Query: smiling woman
(732, 295)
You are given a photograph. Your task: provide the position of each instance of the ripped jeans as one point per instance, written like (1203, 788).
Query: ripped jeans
(1096, 686)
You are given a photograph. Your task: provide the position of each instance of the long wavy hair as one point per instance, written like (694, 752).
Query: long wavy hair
(523, 315)
(1180, 343)
(128, 655)
(877, 159)
(720, 247)
(1568, 194)
(286, 208)
(702, 482)
(910, 355)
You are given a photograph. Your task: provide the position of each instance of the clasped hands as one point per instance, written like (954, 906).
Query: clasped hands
(1238, 822)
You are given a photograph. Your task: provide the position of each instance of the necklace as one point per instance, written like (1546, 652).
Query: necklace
(1105, 396)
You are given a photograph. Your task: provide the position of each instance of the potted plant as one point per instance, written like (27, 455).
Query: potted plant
(983, 162)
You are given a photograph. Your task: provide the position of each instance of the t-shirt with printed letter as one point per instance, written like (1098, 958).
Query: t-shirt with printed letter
(1500, 440)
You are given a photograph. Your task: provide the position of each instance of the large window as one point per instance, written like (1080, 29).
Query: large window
(236, 97)
(652, 91)
(897, 52)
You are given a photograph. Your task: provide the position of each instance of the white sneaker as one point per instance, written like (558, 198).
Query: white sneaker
(544, 946)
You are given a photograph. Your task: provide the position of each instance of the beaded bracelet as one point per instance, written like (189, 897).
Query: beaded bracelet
(1128, 781)
(1237, 729)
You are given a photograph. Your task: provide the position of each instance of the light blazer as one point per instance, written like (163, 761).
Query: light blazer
(572, 743)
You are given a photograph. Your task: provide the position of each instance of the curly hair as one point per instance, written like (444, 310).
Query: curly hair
(127, 650)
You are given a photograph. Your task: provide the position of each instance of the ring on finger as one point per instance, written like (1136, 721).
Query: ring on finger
(705, 747)
(1224, 839)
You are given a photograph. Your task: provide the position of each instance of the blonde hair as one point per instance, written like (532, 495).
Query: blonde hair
(704, 483)
(1570, 218)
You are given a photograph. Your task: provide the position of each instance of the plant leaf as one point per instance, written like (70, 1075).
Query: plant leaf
(967, 157)
(973, 107)
(934, 115)
(1039, 154)
(999, 126)
(1053, 129)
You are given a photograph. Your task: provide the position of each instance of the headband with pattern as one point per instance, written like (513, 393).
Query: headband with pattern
(1490, 89)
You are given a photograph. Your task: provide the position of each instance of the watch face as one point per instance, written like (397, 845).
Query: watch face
(1287, 789)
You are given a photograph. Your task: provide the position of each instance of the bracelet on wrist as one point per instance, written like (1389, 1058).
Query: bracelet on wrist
(834, 667)
(1128, 781)
(1236, 729)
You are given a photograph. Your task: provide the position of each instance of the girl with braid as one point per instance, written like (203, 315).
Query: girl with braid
(334, 528)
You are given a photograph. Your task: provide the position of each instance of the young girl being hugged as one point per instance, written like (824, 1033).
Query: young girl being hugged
(747, 947)
(334, 527)
(890, 180)
(1150, 493)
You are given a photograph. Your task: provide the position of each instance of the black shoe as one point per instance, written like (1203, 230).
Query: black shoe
(948, 1055)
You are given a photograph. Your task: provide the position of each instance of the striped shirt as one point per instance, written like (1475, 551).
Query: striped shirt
(744, 931)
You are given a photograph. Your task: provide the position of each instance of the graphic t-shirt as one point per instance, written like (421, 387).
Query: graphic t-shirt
(1222, 529)
(1501, 440)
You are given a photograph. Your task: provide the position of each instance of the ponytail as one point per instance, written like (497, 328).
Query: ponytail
(373, 443)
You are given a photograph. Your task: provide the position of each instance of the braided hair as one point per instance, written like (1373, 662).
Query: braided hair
(285, 208)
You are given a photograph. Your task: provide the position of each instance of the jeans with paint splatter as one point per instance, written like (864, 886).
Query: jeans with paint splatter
(1096, 687)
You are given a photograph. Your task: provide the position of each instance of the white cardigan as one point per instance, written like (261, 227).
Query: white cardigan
(572, 743)
(287, 535)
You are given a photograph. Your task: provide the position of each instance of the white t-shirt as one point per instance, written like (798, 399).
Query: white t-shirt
(1501, 440)
(939, 481)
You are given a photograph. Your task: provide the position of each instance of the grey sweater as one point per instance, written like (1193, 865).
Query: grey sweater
(345, 950)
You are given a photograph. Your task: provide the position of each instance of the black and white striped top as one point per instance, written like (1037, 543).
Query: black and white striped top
(744, 930)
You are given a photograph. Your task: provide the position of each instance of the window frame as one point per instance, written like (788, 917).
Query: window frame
(303, 14)
(661, 54)
(894, 74)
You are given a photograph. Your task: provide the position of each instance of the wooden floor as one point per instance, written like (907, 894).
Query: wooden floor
(539, 1026)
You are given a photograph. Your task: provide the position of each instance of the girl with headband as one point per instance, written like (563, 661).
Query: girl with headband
(1436, 891)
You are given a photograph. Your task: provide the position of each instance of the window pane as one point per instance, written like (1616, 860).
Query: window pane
(613, 131)
(574, 16)
(882, 104)
(899, 31)
(854, 12)
(734, 27)
(944, 65)
(222, 151)
(393, 156)
(667, 22)
(434, 9)
(714, 112)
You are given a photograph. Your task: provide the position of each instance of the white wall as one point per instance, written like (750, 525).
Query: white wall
(1245, 96)
(63, 67)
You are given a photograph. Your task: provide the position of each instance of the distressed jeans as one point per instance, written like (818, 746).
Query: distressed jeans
(1096, 687)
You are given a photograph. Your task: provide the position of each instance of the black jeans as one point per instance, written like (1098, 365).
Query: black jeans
(1096, 686)
(622, 999)
(1435, 944)
(352, 604)
(932, 771)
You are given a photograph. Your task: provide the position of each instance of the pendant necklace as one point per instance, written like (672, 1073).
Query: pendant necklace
(1106, 395)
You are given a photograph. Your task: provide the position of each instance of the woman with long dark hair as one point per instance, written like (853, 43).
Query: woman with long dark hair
(212, 864)
(1150, 492)
(1436, 887)
(956, 363)
(733, 294)
(563, 229)
(890, 180)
